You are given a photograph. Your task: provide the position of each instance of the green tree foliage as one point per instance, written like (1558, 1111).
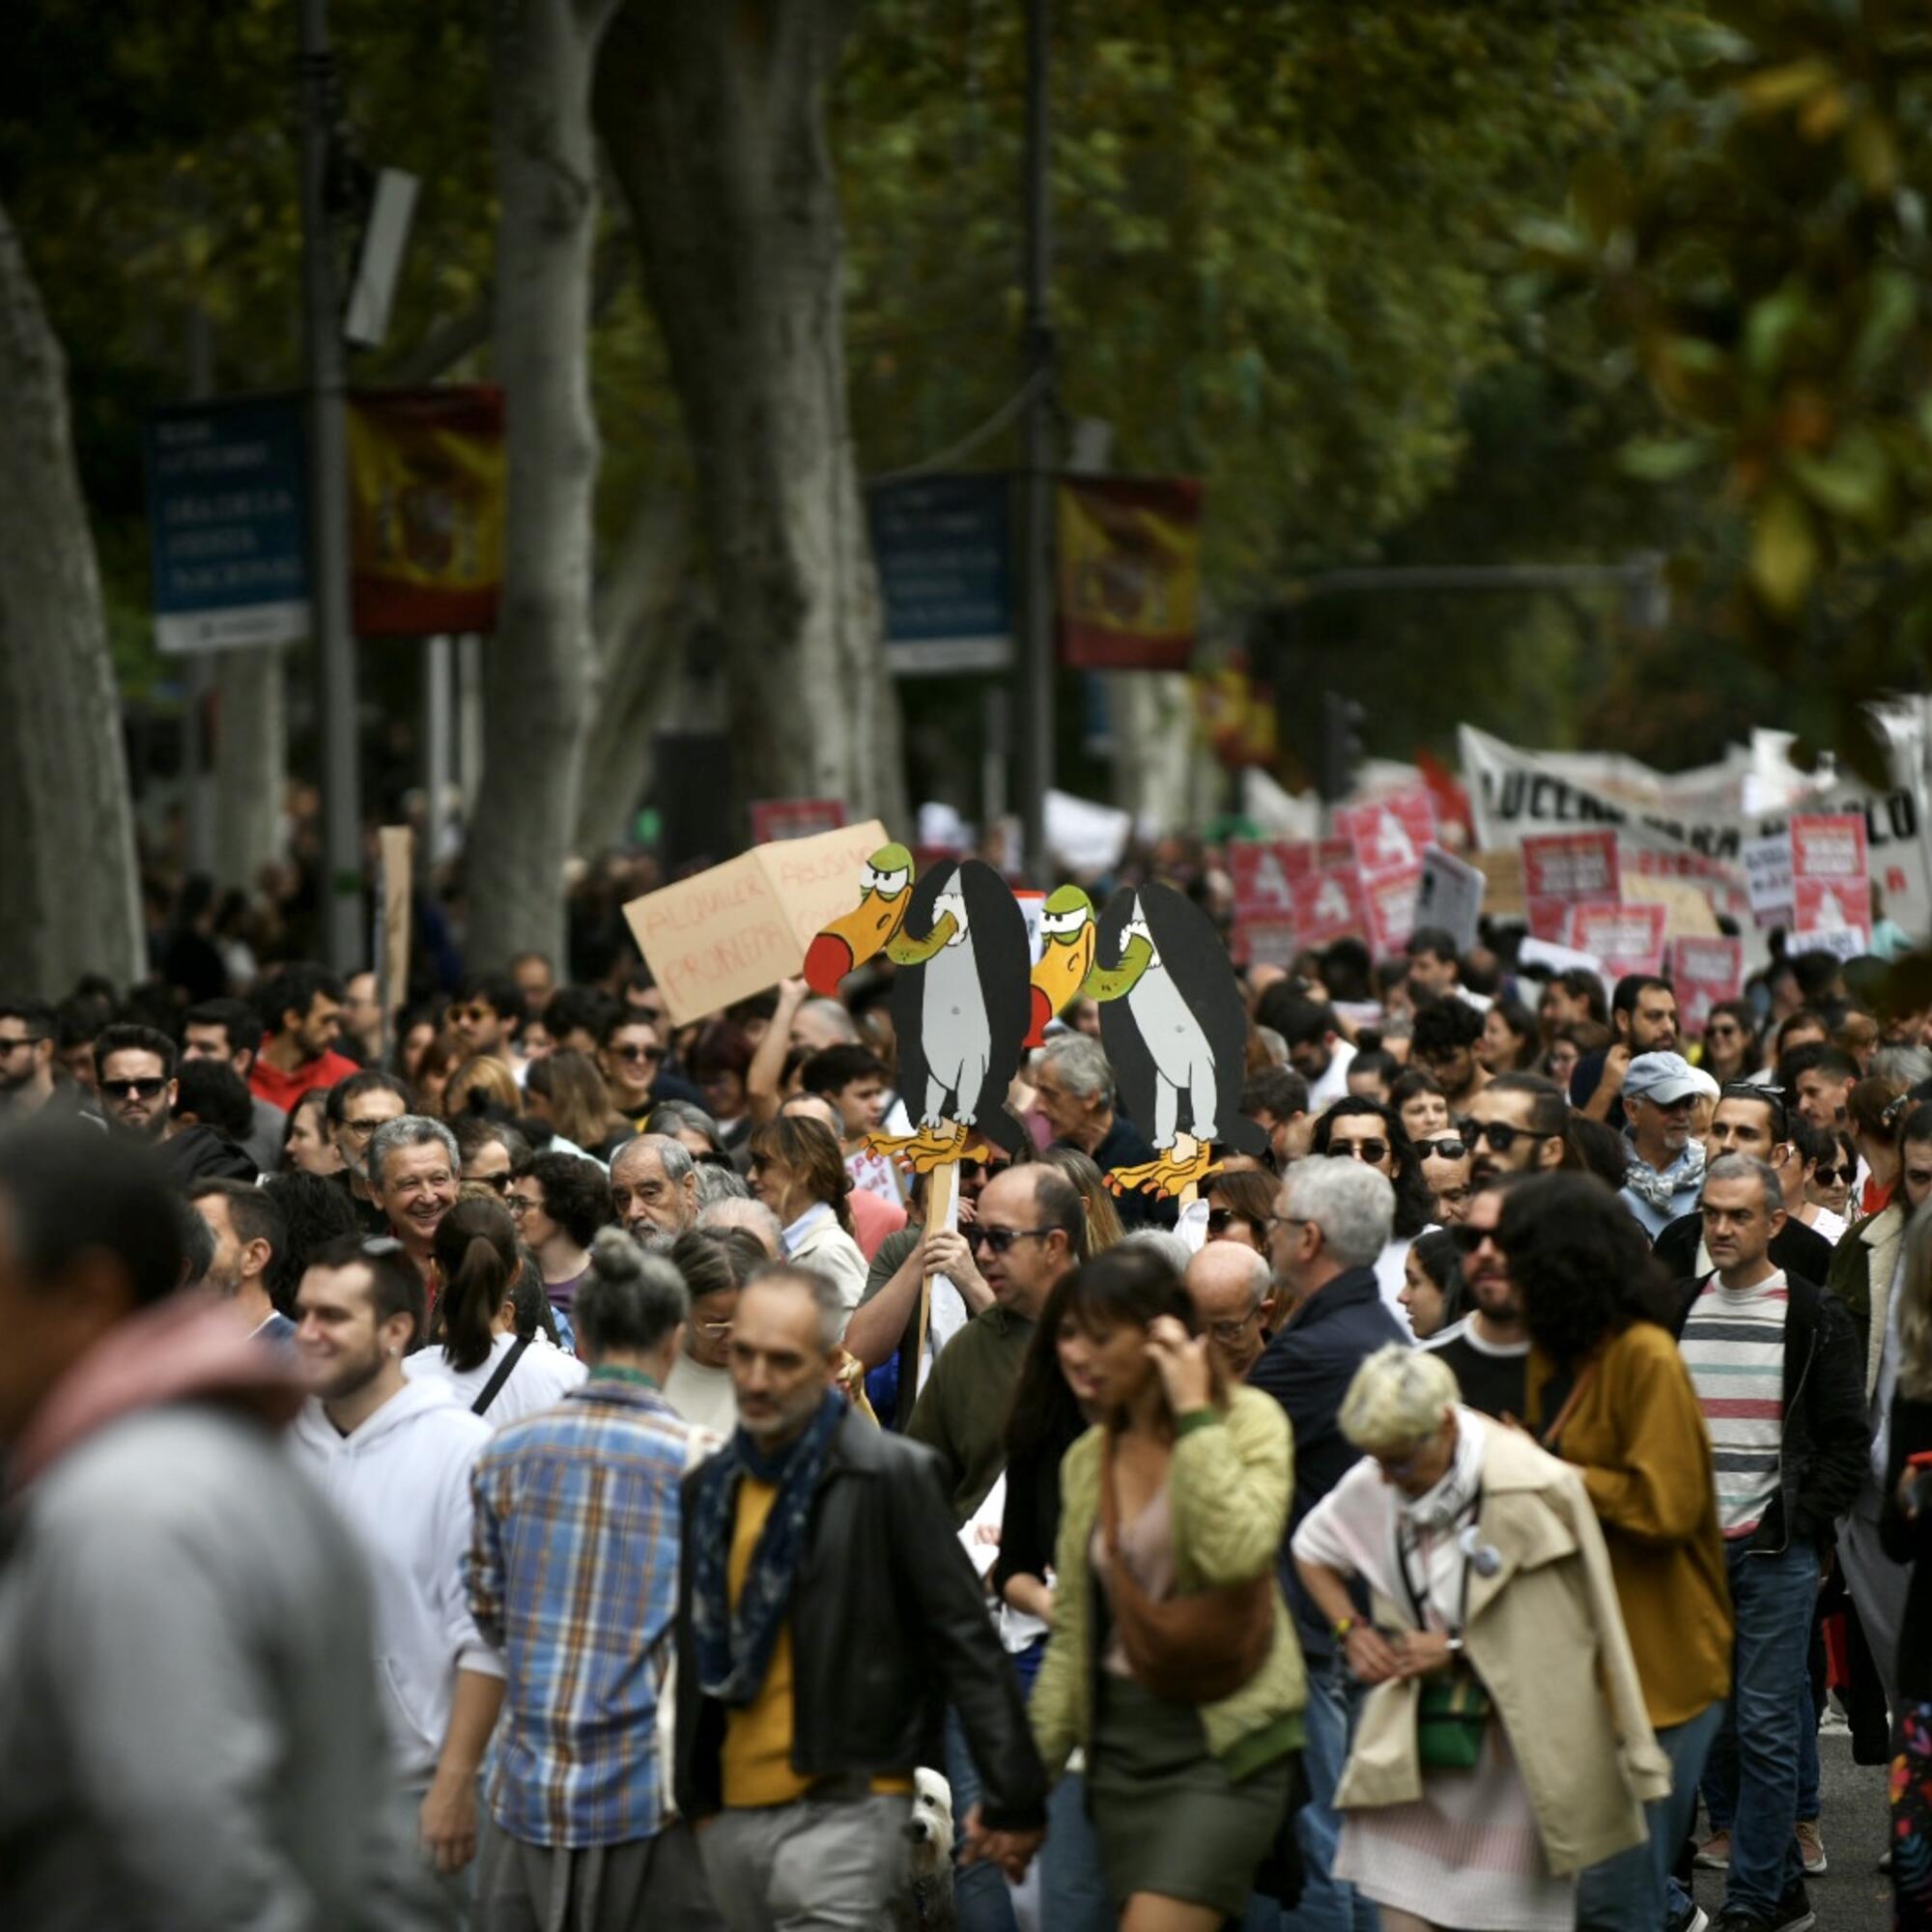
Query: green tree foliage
(1766, 253)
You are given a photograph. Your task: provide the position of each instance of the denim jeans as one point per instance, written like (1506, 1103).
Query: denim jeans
(1328, 1904)
(1723, 1750)
(1073, 1887)
(1755, 1763)
(1627, 1894)
(980, 1900)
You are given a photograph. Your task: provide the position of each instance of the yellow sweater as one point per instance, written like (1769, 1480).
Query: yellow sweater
(756, 1758)
(1638, 1437)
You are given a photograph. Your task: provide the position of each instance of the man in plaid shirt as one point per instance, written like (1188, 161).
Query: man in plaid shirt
(573, 1574)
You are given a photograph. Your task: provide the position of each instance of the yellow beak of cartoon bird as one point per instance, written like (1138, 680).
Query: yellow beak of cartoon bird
(1066, 923)
(885, 892)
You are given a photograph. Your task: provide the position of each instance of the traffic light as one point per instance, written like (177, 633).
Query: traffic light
(1340, 748)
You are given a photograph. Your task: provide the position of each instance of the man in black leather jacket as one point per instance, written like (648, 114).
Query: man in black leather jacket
(796, 1764)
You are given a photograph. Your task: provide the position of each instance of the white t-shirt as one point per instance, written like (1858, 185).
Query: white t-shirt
(543, 1376)
(702, 1394)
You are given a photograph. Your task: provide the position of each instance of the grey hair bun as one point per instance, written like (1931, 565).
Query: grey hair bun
(615, 1256)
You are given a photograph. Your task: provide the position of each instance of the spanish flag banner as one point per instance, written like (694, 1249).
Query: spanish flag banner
(1130, 571)
(426, 484)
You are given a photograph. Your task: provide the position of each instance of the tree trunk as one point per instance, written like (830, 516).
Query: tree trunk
(642, 619)
(250, 762)
(712, 114)
(538, 665)
(69, 893)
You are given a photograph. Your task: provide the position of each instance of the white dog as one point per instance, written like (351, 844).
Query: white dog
(926, 1903)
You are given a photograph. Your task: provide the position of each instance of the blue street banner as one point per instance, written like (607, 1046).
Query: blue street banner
(227, 524)
(944, 548)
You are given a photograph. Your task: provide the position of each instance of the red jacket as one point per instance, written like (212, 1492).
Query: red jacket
(283, 1089)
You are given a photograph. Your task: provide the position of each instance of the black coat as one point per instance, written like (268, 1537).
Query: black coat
(889, 1627)
(1821, 1460)
(1795, 1248)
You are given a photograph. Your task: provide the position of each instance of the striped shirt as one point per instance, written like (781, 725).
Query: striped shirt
(1733, 1344)
(573, 1572)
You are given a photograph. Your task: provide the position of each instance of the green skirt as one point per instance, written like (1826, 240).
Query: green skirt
(1169, 1819)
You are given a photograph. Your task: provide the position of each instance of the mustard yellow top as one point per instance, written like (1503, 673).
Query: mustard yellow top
(756, 1759)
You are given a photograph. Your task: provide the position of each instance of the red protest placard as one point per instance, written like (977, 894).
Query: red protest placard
(1265, 942)
(1390, 904)
(1705, 973)
(1625, 938)
(1389, 835)
(1328, 905)
(1831, 883)
(1263, 873)
(773, 818)
(1580, 867)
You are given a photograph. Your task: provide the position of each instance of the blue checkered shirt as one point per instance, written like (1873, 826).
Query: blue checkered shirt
(573, 1576)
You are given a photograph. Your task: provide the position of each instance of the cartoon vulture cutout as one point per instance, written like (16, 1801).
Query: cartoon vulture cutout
(960, 1000)
(1172, 1021)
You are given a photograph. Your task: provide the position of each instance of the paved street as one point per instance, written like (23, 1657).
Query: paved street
(1853, 1895)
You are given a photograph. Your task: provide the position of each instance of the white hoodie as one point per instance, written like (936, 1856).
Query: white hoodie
(402, 1484)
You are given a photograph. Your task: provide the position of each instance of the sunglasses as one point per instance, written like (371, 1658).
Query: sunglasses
(1501, 1136)
(478, 1013)
(1469, 1239)
(1368, 1150)
(128, 1089)
(500, 1183)
(1445, 1148)
(1000, 1239)
(1826, 1175)
(635, 1053)
(1221, 1219)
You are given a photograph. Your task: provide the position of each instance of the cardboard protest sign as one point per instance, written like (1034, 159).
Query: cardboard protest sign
(1767, 862)
(395, 846)
(744, 926)
(1450, 895)
(1705, 973)
(1831, 883)
(1624, 938)
(776, 819)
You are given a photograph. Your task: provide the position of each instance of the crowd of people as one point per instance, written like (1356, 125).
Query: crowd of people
(525, 1463)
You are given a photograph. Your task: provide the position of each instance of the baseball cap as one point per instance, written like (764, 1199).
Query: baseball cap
(1664, 1078)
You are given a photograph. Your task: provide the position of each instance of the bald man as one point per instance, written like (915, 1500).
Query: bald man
(1228, 1284)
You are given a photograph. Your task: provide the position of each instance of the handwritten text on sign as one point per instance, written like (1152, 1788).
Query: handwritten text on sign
(744, 926)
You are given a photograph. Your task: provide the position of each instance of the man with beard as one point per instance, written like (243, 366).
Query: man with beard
(394, 1457)
(301, 1013)
(415, 1167)
(354, 1109)
(654, 1186)
(1666, 1169)
(1515, 1125)
(1643, 1019)
(27, 1032)
(249, 1232)
(1489, 1348)
(1444, 1039)
(137, 1079)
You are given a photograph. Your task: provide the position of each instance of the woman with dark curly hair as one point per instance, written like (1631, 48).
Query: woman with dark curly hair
(1609, 1392)
(1368, 1131)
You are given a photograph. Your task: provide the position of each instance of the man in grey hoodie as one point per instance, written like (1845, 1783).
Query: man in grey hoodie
(189, 1727)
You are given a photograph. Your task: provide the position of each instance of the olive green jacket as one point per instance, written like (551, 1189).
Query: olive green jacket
(1228, 1493)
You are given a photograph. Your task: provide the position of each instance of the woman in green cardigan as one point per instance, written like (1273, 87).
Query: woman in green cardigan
(1187, 1798)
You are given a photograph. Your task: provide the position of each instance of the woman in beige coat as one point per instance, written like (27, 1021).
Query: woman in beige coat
(1485, 1568)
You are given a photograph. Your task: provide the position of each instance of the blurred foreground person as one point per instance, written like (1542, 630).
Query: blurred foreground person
(1507, 1713)
(189, 1727)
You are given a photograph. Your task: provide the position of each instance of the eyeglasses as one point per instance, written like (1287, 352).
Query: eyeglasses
(1445, 1147)
(1230, 1332)
(128, 1089)
(1826, 1175)
(1000, 1239)
(636, 1054)
(519, 1205)
(13, 1042)
(1469, 1239)
(363, 1129)
(1368, 1150)
(1500, 1134)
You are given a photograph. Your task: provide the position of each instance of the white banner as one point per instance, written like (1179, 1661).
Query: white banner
(1695, 825)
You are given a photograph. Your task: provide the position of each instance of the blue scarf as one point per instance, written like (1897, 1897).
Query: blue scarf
(734, 1647)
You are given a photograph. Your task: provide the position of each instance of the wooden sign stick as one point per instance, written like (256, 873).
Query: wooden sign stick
(941, 1187)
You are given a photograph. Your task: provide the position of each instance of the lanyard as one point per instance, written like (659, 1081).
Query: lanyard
(1419, 1600)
